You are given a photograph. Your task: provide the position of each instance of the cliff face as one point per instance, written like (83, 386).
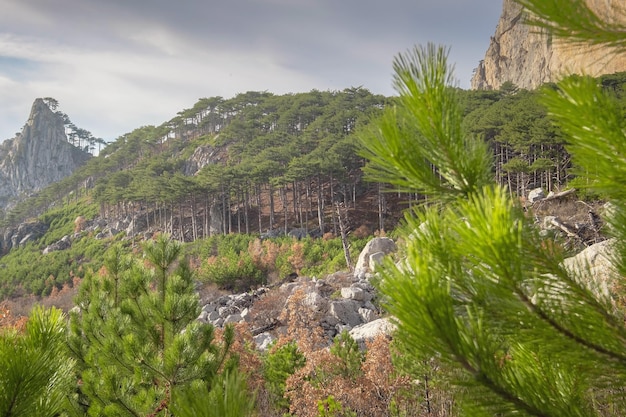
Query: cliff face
(38, 156)
(520, 54)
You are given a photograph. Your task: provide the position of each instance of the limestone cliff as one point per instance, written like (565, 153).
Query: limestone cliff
(38, 156)
(528, 58)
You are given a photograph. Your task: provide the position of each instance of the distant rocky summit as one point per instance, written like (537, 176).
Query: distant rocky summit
(522, 55)
(38, 156)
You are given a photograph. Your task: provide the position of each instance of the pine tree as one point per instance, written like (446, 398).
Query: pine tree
(478, 288)
(35, 371)
(136, 340)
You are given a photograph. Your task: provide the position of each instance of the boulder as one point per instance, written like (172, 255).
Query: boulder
(369, 331)
(367, 315)
(375, 247)
(233, 318)
(536, 195)
(346, 312)
(356, 293)
(263, 341)
(62, 244)
(593, 265)
(315, 301)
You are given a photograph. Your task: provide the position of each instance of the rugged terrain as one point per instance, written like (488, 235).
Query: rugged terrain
(38, 156)
(528, 58)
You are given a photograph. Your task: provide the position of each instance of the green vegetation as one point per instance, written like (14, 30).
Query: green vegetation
(274, 162)
(239, 262)
(136, 341)
(280, 363)
(478, 289)
(35, 370)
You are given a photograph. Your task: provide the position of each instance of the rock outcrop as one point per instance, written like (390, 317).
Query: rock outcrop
(528, 58)
(38, 156)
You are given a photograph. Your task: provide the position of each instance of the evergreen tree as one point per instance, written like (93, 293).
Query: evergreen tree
(136, 340)
(478, 288)
(35, 371)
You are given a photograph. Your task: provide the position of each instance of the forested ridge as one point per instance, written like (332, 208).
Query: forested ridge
(296, 148)
(265, 163)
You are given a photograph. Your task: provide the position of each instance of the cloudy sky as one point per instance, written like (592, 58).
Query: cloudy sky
(115, 65)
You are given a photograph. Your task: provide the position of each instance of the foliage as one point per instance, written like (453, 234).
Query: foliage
(239, 262)
(478, 288)
(35, 371)
(331, 408)
(281, 362)
(228, 397)
(136, 340)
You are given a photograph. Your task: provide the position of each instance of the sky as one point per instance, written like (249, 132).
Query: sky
(116, 65)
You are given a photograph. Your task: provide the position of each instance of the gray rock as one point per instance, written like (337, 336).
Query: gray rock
(367, 315)
(213, 316)
(315, 301)
(369, 331)
(203, 317)
(38, 156)
(536, 195)
(233, 318)
(355, 293)
(209, 307)
(383, 245)
(525, 56)
(346, 312)
(263, 341)
(340, 328)
(376, 259)
(594, 267)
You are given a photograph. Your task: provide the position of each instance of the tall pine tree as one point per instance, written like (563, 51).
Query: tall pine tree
(478, 288)
(136, 339)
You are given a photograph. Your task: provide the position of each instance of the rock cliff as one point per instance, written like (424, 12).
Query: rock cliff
(38, 156)
(526, 57)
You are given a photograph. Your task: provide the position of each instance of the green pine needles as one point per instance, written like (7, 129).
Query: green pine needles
(477, 288)
(136, 341)
(35, 371)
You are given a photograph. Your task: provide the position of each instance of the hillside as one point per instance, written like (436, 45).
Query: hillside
(256, 164)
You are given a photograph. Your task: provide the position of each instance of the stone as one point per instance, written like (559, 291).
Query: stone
(315, 301)
(38, 156)
(369, 331)
(263, 341)
(209, 307)
(345, 311)
(233, 318)
(203, 317)
(376, 259)
(528, 57)
(536, 195)
(367, 315)
(595, 268)
(355, 293)
(383, 245)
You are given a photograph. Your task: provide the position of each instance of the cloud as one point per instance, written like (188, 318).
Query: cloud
(116, 65)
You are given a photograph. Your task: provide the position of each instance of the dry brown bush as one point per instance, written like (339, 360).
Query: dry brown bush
(267, 308)
(362, 232)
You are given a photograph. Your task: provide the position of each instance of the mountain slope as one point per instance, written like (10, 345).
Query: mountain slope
(38, 156)
(527, 58)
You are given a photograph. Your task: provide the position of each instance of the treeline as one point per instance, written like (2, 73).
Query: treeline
(260, 161)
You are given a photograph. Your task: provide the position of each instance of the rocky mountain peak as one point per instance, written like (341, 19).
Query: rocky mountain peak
(528, 57)
(38, 156)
